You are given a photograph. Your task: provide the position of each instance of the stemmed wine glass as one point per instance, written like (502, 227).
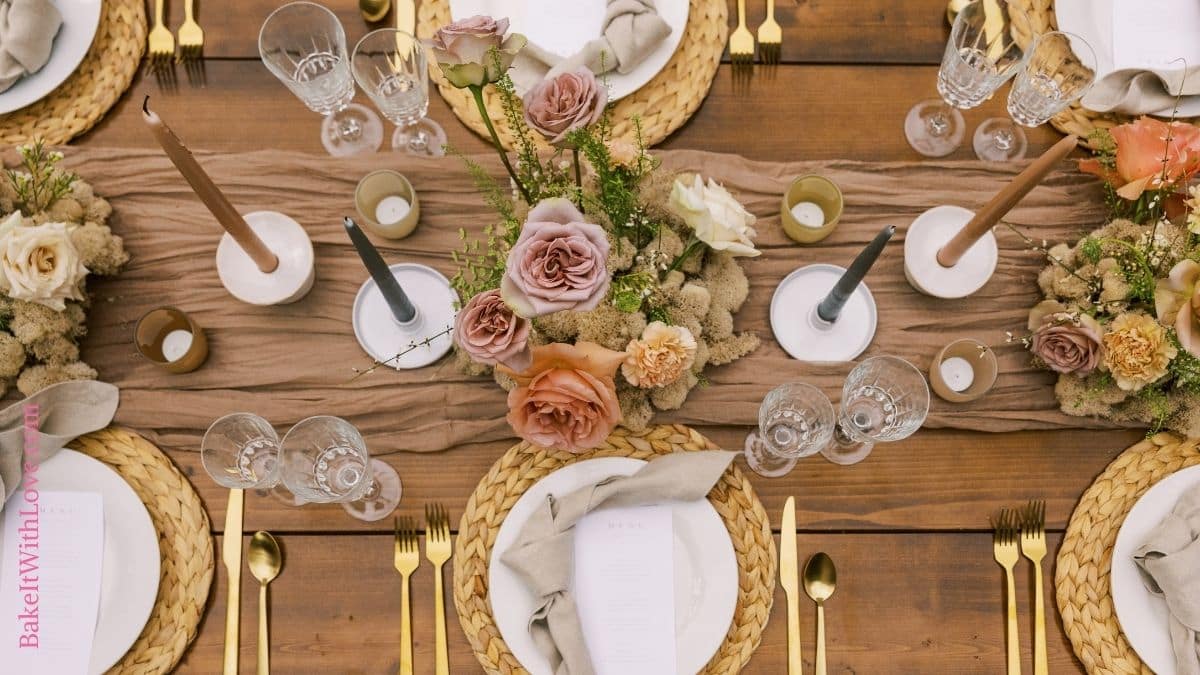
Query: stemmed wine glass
(885, 399)
(391, 67)
(794, 421)
(1059, 68)
(304, 46)
(241, 452)
(325, 460)
(979, 57)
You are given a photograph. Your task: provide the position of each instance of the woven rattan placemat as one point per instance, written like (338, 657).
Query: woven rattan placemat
(80, 101)
(1081, 577)
(662, 105)
(184, 541)
(523, 465)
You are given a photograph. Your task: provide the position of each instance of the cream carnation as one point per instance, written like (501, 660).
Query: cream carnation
(660, 356)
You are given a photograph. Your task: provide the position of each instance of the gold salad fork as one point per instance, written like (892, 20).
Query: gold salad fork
(770, 37)
(407, 558)
(1004, 543)
(437, 551)
(162, 49)
(741, 42)
(1033, 545)
(191, 44)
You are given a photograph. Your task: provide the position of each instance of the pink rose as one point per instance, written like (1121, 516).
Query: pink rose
(488, 331)
(559, 105)
(463, 50)
(558, 263)
(1067, 343)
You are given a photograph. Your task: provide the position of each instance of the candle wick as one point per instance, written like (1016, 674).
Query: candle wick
(146, 104)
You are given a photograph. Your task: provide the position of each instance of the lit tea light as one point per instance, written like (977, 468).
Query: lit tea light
(957, 372)
(809, 214)
(963, 371)
(176, 344)
(391, 210)
(171, 339)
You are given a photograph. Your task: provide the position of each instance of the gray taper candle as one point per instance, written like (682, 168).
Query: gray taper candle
(831, 306)
(402, 308)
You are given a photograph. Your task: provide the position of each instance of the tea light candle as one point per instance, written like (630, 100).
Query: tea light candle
(171, 339)
(176, 344)
(391, 210)
(957, 372)
(963, 371)
(387, 204)
(809, 214)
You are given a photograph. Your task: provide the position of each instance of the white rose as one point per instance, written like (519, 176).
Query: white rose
(718, 219)
(40, 264)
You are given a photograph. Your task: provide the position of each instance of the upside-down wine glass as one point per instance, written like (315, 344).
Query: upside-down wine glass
(241, 452)
(1059, 68)
(795, 420)
(885, 399)
(391, 66)
(980, 55)
(325, 460)
(304, 46)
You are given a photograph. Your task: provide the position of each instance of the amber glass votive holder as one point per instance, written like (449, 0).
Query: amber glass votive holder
(817, 190)
(172, 339)
(372, 196)
(977, 357)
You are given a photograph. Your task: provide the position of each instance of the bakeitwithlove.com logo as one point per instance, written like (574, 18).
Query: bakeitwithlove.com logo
(28, 536)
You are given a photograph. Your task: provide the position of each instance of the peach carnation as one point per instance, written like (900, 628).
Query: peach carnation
(1137, 351)
(660, 356)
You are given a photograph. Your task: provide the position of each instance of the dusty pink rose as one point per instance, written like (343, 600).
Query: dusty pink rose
(558, 263)
(487, 331)
(567, 398)
(1067, 343)
(463, 50)
(559, 105)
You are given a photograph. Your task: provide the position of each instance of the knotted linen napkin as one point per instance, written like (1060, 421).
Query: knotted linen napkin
(1137, 92)
(64, 411)
(631, 30)
(27, 30)
(1169, 561)
(544, 550)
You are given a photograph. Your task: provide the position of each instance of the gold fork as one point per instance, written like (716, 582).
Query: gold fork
(162, 47)
(407, 558)
(191, 43)
(1033, 545)
(770, 37)
(1004, 543)
(741, 43)
(437, 551)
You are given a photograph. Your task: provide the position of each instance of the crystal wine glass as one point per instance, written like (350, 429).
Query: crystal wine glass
(304, 46)
(979, 57)
(325, 460)
(795, 420)
(241, 451)
(885, 399)
(391, 67)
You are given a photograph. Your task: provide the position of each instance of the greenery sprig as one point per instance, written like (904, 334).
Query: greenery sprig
(39, 182)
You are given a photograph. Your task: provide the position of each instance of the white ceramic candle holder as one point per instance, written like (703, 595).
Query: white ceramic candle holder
(383, 337)
(927, 235)
(803, 334)
(291, 279)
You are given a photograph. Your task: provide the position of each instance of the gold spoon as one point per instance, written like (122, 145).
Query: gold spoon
(820, 580)
(265, 562)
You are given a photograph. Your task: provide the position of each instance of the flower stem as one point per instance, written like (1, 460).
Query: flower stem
(477, 92)
(578, 177)
(687, 252)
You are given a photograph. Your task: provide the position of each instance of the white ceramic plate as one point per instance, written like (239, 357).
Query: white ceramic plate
(1143, 616)
(80, 18)
(706, 575)
(563, 26)
(1092, 20)
(129, 580)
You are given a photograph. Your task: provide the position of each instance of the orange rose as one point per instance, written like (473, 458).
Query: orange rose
(1141, 147)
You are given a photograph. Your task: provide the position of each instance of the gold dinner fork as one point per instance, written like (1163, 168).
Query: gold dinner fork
(162, 49)
(1033, 545)
(407, 558)
(1004, 543)
(770, 37)
(741, 42)
(191, 44)
(437, 551)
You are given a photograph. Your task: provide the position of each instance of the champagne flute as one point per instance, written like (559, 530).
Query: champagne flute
(391, 66)
(885, 399)
(325, 460)
(795, 420)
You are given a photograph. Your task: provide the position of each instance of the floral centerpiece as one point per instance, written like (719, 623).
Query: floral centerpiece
(1120, 322)
(608, 284)
(53, 233)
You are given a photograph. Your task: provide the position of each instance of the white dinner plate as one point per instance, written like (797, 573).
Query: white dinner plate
(706, 574)
(80, 20)
(1092, 20)
(563, 26)
(1142, 615)
(129, 578)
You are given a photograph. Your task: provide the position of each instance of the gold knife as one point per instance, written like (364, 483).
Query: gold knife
(231, 555)
(789, 578)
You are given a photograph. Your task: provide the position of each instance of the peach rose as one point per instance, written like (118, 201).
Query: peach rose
(487, 331)
(1141, 147)
(567, 398)
(660, 356)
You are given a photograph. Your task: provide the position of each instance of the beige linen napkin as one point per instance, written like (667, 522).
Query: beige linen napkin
(1170, 564)
(64, 411)
(1137, 92)
(542, 554)
(632, 29)
(27, 29)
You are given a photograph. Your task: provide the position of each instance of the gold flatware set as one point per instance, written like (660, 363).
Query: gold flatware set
(407, 559)
(1017, 533)
(742, 41)
(820, 580)
(266, 562)
(161, 47)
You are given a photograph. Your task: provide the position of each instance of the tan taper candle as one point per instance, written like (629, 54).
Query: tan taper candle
(1004, 201)
(208, 192)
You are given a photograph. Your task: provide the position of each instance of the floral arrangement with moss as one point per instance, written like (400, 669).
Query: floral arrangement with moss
(1120, 319)
(53, 234)
(609, 284)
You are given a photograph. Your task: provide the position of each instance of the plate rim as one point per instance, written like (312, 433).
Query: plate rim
(93, 27)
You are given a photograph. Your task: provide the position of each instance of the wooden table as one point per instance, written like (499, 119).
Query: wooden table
(919, 592)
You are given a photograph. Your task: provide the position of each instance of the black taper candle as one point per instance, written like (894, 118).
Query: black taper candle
(402, 308)
(831, 306)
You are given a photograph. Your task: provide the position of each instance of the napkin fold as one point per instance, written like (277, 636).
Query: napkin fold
(1169, 561)
(1137, 92)
(27, 30)
(64, 411)
(632, 29)
(543, 552)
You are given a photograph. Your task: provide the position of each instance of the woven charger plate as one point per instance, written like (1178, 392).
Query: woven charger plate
(662, 105)
(1081, 577)
(84, 97)
(523, 465)
(184, 541)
